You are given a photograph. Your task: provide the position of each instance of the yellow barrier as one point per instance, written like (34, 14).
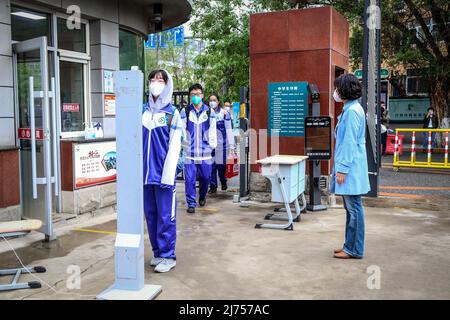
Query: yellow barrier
(420, 164)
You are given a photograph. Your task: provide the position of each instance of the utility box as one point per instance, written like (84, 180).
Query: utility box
(293, 177)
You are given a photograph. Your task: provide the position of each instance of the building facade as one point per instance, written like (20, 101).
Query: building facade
(57, 58)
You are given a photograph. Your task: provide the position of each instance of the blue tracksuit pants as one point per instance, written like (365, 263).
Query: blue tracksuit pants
(203, 168)
(160, 206)
(218, 166)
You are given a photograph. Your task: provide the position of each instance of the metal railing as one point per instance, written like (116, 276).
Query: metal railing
(421, 164)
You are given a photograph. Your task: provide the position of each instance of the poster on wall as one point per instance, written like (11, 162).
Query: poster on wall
(110, 104)
(94, 163)
(288, 107)
(108, 81)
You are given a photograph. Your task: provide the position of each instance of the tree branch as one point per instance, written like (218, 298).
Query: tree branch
(428, 36)
(412, 34)
(441, 24)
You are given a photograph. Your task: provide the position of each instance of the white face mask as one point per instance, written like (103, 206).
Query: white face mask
(336, 96)
(227, 108)
(156, 88)
(213, 104)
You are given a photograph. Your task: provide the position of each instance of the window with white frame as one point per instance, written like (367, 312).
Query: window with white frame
(73, 50)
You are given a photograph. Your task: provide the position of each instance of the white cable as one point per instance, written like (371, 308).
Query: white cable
(23, 266)
(36, 277)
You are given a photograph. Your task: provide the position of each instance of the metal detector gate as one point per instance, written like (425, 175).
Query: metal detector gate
(244, 126)
(36, 104)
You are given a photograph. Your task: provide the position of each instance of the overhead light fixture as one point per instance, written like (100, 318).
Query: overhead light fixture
(28, 15)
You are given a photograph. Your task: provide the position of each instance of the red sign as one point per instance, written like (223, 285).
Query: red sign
(25, 133)
(71, 107)
(110, 104)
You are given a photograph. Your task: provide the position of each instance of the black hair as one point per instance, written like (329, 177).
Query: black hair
(195, 86)
(348, 87)
(164, 75)
(215, 95)
(430, 108)
(219, 104)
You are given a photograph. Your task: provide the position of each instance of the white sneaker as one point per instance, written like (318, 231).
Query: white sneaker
(155, 261)
(165, 265)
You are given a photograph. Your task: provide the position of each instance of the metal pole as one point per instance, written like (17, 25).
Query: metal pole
(371, 155)
(365, 56)
(157, 49)
(315, 194)
(244, 145)
(378, 44)
(49, 234)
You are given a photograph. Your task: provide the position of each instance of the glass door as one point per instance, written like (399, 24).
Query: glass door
(35, 87)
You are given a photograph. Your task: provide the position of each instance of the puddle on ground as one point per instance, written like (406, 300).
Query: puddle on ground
(60, 247)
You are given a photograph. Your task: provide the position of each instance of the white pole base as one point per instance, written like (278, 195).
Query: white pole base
(148, 292)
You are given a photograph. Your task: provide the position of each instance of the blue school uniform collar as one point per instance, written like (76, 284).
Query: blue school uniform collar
(204, 107)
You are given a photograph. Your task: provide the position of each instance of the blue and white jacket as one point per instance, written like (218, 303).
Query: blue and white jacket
(162, 131)
(225, 135)
(200, 132)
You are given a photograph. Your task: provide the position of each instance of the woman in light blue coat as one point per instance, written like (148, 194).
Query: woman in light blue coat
(350, 176)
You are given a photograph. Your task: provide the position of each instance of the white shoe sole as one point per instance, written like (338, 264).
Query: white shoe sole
(165, 270)
(154, 264)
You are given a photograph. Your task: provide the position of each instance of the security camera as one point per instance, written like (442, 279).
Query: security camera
(157, 19)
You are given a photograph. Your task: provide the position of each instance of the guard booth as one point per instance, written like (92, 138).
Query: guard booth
(54, 81)
(305, 46)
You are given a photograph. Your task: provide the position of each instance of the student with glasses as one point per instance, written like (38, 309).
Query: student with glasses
(201, 140)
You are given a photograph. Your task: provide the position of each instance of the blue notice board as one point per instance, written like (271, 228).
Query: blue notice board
(288, 107)
(174, 36)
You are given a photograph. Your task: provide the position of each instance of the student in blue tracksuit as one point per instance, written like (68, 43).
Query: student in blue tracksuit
(225, 143)
(162, 134)
(350, 176)
(201, 139)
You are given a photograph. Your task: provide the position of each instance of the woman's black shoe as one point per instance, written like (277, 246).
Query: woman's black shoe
(202, 202)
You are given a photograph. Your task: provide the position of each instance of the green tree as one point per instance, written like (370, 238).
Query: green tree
(178, 61)
(225, 28)
(409, 39)
(224, 25)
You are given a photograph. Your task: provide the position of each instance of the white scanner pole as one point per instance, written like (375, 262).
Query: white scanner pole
(129, 246)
